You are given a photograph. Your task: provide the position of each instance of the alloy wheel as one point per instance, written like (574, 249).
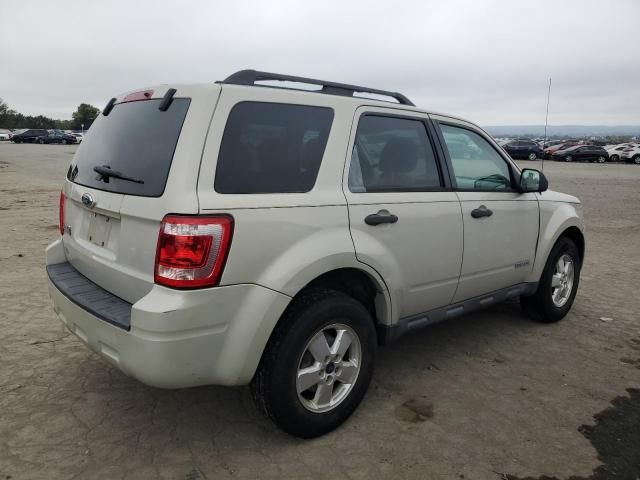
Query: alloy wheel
(328, 368)
(562, 280)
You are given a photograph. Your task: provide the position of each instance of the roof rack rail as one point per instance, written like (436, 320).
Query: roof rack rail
(250, 77)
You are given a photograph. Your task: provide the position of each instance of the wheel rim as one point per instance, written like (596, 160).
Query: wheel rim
(569, 158)
(532, 156)
(328, 368)
(600, 159)
(562, 280)
(636, 160)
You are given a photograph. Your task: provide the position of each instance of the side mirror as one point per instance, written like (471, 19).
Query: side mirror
(532, 181)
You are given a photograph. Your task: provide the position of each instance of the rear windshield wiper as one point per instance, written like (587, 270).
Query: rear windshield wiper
(106, 173)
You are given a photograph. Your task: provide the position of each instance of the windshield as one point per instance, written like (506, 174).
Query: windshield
(135, 139)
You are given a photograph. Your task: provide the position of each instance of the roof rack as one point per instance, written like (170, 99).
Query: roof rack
(250, 77)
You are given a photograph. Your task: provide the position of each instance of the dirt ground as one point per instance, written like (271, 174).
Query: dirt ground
(489, 396)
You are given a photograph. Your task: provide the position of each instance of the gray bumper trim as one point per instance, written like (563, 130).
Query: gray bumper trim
(86, 294)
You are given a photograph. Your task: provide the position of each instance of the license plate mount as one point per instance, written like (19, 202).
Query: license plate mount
(99, 229)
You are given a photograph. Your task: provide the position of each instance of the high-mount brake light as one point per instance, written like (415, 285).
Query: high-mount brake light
(61, 213)
(192, 250)
(137, 96)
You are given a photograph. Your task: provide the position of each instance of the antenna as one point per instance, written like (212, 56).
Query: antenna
(546, 120)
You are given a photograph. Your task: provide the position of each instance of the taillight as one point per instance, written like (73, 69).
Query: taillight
(61, 213)
(192, 251)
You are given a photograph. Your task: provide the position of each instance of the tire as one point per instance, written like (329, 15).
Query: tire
(275, 387)
(64, 141)
(614, 158)
(543, 305)
(568, 158)
(532, 156)
(41, 142)
(636, 159)
(601, 159)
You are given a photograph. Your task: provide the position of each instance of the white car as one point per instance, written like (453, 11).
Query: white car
(5, 134)
(79, 137)
(615, 151)
(631, 154)
(274, 237)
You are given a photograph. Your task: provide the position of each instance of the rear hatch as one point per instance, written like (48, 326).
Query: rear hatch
(135, 165)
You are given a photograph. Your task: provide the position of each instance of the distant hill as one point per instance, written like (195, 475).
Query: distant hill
(561, 130)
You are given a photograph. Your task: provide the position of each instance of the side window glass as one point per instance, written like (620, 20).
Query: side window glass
(476, 165)
(392, 155)
(272, 148)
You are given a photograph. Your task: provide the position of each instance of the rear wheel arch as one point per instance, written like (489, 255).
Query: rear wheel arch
(358, 284)
(364, 286)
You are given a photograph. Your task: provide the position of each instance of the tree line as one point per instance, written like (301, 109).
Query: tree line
(85, 114)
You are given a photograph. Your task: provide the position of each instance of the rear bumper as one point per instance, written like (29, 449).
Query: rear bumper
(178, 338)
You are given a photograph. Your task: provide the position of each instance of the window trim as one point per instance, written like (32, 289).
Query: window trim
(513, 170)
(443, 174)
(287, 104)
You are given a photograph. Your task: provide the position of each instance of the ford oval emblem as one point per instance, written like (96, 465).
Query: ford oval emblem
(88, 201)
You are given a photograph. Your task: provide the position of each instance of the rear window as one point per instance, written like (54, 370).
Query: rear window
(272, 148)
(135, 139)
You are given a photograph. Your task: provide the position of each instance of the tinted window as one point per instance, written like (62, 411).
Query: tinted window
(272, 148)
(391, 155)
(135, 139)
(476, 165)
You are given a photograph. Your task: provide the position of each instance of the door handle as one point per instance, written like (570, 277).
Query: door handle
(481, 211)
(383, 216)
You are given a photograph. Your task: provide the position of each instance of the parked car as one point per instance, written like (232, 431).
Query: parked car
(582, 153)
(549, 151)
(527, 149)
(615, 151)
(16, 131)
(239, 245)
(5, 134)
(79, 137)
(57, 137)
(29, 136)
(631, 155)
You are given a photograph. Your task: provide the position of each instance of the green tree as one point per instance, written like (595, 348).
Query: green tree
(7, 116)
(84, 115)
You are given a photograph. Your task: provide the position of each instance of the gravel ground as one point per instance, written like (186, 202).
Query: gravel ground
(488, 396)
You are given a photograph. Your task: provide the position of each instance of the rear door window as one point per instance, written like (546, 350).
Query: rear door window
(272, 148)
(135, 139)
(392, 154)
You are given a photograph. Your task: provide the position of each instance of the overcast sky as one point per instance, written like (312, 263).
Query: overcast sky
(487, 61)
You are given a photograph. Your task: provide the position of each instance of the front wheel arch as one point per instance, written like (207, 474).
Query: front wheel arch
(575, 235)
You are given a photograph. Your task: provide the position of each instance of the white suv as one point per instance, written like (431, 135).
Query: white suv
(234, 233)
